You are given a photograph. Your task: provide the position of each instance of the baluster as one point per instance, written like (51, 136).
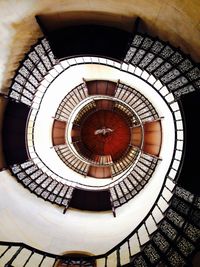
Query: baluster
(9, 263)
(1, 256)
(32, 252)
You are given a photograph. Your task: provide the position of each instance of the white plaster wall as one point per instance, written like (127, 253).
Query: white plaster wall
(3, 103)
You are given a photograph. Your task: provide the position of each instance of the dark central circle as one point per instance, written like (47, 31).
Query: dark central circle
(106, 132)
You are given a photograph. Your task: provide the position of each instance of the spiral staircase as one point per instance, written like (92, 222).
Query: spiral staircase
(168, 234)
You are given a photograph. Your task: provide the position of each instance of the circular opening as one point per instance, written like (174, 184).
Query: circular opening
(105, 132)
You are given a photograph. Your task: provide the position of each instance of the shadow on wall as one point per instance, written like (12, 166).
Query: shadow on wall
(22, 39)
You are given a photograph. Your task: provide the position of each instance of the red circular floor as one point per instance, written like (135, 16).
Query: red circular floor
(106, 132)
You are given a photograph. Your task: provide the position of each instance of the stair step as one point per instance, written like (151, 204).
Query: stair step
(8, 255)
(165, 63)
(138, 177)
(151, 225)
(134, 244)
(139, 261)
(157, 214)
(124, 254)
(152, 254)
(160, 241)
(43, 185)
(138, 102)
(143, 235)
(192, 232)
(101, 262)
(168, 229)
(71, 160)
(71, 101)
(35, 260)
(175, 259)
(31, 72)
(22, 258)
(112, 259)
(175, 218)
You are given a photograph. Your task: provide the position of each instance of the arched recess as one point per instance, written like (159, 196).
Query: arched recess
(152, 137)
(58, 132)
(3, 103)
(14, 125)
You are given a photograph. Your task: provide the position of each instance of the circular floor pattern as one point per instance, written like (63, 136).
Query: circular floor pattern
(106, 132)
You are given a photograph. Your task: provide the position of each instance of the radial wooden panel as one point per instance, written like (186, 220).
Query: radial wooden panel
(58, 132)
(152, 137)
(75, 133)
(136, 136)
(99, 172)
(101, 88)
(115, 142)
(104, 104)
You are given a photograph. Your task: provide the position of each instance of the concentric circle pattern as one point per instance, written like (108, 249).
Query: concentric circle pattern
(122, 177)
(54, 130)
(138, 164)
(101, 135)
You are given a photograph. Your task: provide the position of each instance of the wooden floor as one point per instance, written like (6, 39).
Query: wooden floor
(113, 143)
